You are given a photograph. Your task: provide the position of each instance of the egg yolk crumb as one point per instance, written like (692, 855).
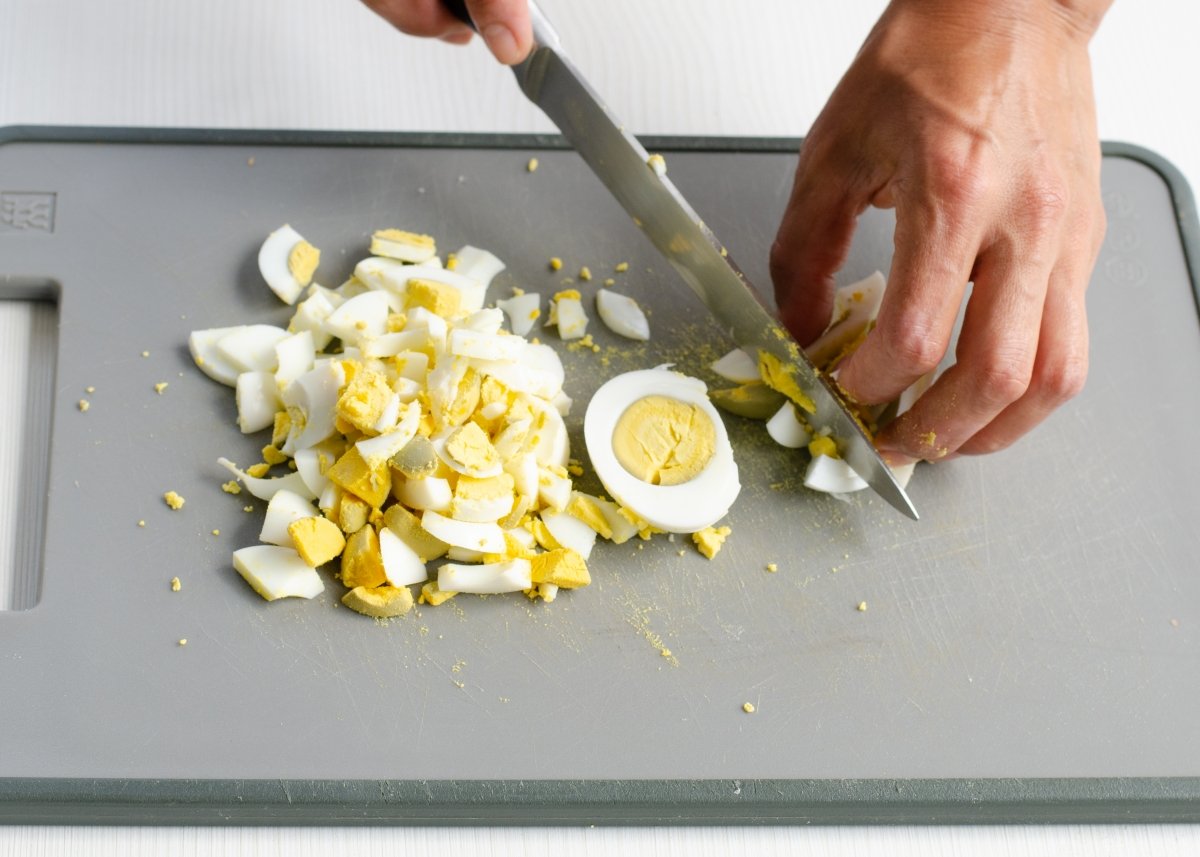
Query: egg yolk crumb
(710, 539)
(173, 500)
(823, 445)
(176, 585)
(664, 441)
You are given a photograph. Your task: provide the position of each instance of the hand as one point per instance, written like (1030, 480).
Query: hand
(974, 119)
(504, 24)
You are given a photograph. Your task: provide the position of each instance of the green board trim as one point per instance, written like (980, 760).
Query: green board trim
(608, 802)
(585, 802)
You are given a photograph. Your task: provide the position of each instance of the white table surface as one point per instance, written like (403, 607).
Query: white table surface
(693, 67)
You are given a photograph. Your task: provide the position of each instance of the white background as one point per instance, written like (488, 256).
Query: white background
(693, 67)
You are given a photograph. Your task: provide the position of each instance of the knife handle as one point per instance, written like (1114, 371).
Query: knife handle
(458, 8)
(543, 33)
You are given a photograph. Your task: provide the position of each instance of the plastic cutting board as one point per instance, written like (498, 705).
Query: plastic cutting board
(1030, 649)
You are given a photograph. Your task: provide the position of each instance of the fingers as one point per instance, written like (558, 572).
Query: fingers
(421, 18)
(1061, 366)
(936, 246)
(505, 27)
(814, 238)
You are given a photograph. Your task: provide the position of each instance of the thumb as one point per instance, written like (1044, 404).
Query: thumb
(505, 27)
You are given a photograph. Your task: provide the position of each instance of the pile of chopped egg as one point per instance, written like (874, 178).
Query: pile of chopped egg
(416, 430)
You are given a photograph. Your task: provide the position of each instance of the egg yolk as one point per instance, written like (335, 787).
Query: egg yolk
(664, 441)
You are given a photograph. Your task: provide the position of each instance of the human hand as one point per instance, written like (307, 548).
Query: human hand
(974, 119)
(504, 24)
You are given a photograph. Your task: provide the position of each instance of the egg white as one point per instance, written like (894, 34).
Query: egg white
(683, 508)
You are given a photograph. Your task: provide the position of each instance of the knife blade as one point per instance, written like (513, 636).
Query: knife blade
(549, 80)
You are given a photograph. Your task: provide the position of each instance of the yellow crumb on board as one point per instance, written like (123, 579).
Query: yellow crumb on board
(160, 386)
(772, 567)
(141, 523)
(183, 641)
(585, 273)
(176, 585)
(173, 500)
(216, 532)
(231, 487)
(748, 707)
(862, 607)
(84, 404)
(145, 353)
(89, 390)
(532, 165)
(555, 263)
(621, 267)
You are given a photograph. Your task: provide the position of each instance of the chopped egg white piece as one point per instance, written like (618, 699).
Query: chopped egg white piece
(522, 311)
(361, 317)
(786, 429)
(286, 261)
(285, 507)
(277, 572)
(401, 564)
(484, 537)
(832, 476)
(489, 578)
(622, 315)
(257, 397)
(568, 315)
(570, 532)
(738, 366)
(203, 346)
(293, 357)
(478, 265)
(429, 494)
(266, 488)
(404, 246)
(252, 347)
(855, 306)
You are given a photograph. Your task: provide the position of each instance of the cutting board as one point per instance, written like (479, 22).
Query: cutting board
(1029, 649)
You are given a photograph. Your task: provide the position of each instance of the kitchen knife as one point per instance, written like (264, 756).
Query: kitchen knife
(549, 79)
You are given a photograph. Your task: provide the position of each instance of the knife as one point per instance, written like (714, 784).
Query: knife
(550, 81)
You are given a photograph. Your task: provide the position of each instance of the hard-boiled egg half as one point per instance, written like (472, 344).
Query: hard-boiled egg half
(661, 450)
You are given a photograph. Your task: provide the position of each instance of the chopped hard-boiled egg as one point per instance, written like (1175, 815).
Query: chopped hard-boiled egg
(622, 315)
(287, 263)
(277, 572)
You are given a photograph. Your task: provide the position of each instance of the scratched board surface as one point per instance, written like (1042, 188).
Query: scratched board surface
(1040, 620)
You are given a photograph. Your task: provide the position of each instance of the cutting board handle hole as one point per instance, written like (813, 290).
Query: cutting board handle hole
(28, 356)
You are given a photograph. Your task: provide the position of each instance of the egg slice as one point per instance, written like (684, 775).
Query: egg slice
(662, 424)
(286, 261)
(832, 475)
(277, 572)
(485, 537)
(622, 315)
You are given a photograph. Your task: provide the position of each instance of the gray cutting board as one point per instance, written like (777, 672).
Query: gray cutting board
(1042, 620)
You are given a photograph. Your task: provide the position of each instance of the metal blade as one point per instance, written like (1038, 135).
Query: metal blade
(615, 156)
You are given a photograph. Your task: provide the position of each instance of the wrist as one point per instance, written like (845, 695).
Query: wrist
(1061, 21)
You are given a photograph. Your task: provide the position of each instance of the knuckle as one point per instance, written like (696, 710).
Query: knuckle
(1001, 379)
(960, 183)
(1044, 204)
(913, 343)
(1061, 380)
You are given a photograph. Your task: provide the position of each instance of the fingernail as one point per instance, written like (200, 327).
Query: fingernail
(893, 458)
(501, 43)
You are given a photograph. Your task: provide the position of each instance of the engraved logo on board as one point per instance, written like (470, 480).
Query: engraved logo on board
(26, 211)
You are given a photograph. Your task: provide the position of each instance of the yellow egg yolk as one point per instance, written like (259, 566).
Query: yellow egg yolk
(664, 441)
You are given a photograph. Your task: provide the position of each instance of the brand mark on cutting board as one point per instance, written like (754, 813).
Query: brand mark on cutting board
(27, 211)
